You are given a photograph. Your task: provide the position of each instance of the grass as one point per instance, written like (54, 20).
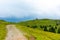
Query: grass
(3, 32)
(39, 22)
(39, 34)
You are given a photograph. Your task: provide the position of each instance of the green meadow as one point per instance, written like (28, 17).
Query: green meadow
(40, 29)
(3, 30)
(38, 34)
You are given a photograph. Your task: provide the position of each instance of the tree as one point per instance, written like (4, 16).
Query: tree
(58, 30)
(49, 25)
(51, 29)
(34, 26)
(28, 26)
(41, 26)
(57, 24)
(55, 27)
(45, 28)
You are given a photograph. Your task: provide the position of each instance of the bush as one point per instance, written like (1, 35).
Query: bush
(45, 28)
(49, 25)
(55, 27)
(34, 26)
(28, 26)
(58, 30)
(41, 26)
(52, 29)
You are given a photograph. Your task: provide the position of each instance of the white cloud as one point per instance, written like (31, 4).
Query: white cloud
(22, 8)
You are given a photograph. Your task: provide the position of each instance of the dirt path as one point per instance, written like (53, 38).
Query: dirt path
(14, 34)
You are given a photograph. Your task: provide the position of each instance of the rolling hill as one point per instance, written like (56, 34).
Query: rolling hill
(33, 27)
(39, 29)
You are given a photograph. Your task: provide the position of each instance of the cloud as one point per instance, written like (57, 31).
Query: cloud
(26, 8)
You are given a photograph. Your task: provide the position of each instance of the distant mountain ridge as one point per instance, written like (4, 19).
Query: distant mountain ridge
(15, 19)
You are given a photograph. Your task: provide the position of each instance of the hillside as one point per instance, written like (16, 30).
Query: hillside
(43, 24)
(3, 30)
(38, 34)
(39, 22)
(38, 29)
(41, 29)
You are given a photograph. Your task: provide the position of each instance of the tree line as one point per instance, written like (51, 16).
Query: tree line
(50, 28)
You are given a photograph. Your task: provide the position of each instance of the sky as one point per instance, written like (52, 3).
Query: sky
(30, 8)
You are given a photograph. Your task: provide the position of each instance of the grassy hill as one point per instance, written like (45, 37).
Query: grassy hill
(39, 22)
(3, 30)
(43, 24)
(38, 34)
(38, 28)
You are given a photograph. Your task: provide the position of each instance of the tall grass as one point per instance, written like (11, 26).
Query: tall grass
(3, 31)
(39, 34)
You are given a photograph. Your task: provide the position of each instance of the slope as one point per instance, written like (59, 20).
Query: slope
(38, 34)
(3, 30)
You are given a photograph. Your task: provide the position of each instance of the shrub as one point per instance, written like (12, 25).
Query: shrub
(34, 26)
(52, 29)
(58, 30)
(28, 26)
(45, 28)
(41, 26)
